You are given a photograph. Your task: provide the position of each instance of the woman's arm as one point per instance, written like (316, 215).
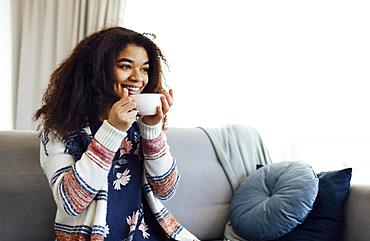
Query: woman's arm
(160, 166)
(75, 184)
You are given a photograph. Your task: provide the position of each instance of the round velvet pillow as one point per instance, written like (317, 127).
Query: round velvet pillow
(273, 200)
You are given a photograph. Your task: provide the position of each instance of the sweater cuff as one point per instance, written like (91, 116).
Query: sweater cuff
(109, 136)
(150, 132)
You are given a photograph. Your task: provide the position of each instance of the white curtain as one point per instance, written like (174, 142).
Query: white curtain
(5, 66)
(44, 33)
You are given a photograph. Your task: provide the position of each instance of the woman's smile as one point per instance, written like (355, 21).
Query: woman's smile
(131, 70)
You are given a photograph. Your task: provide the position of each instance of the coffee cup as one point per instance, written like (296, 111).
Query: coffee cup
(147, 103)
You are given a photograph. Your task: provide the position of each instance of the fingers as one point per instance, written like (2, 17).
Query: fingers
(121, 106)
(122, 114)
(167, 100)
(128, 113)
(168, 96)
(127, 118)
(125, 93)
(129, 106)
(125, 98)
(160, 113)
(131, 115)
(171, 93)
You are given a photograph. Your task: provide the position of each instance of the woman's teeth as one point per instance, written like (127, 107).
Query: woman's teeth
(132, 90)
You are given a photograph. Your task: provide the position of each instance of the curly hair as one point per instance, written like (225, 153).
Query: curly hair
(83, 83)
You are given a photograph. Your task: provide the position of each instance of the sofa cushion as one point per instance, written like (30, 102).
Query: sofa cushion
(27, 207)
(201, 203)
(273, 201)
(324, 222)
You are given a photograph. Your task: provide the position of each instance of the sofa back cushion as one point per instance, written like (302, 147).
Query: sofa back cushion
(201, 203)
(27, 208)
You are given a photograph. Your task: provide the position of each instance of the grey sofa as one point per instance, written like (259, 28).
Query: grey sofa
(201, 203)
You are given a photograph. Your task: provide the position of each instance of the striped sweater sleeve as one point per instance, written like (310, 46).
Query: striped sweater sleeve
(76, 184)
(160, 167)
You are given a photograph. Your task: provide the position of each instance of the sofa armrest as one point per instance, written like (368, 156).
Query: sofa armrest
(357, 214)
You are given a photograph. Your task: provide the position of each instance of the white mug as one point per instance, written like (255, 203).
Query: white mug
(146, 103)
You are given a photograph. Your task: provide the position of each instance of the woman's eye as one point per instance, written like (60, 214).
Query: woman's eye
(125, 66)
(145, 70)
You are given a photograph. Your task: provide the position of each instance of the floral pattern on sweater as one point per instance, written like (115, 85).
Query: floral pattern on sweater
(78, 180)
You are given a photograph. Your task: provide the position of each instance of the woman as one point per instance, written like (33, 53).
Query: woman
(108, 169)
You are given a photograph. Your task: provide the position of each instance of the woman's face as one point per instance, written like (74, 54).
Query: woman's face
(131, 70)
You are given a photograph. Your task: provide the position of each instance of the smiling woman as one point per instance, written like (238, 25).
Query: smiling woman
(131, 70)
(105, 162)
(91, 80)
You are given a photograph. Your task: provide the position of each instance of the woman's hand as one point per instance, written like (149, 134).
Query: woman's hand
(167, 101)
(123, 113)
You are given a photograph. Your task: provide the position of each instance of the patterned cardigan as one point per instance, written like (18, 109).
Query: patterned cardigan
(80, 189)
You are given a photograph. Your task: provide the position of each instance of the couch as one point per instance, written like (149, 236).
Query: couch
(201, 203)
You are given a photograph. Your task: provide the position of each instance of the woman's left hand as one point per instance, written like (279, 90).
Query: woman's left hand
(167, 101)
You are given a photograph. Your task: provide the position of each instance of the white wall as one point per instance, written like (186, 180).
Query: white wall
(5, 67)
(298, 71)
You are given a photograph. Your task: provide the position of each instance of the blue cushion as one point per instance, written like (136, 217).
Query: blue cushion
(273, 200)
(324, 222)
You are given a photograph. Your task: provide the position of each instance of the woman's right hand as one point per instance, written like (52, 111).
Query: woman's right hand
(123, 113)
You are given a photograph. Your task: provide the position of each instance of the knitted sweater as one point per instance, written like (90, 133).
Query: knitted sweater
(80, 187)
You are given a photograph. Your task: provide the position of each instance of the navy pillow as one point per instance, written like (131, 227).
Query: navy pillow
(273, 200)
(324, 223)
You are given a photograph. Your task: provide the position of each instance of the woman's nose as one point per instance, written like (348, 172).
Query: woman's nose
(136, 76)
